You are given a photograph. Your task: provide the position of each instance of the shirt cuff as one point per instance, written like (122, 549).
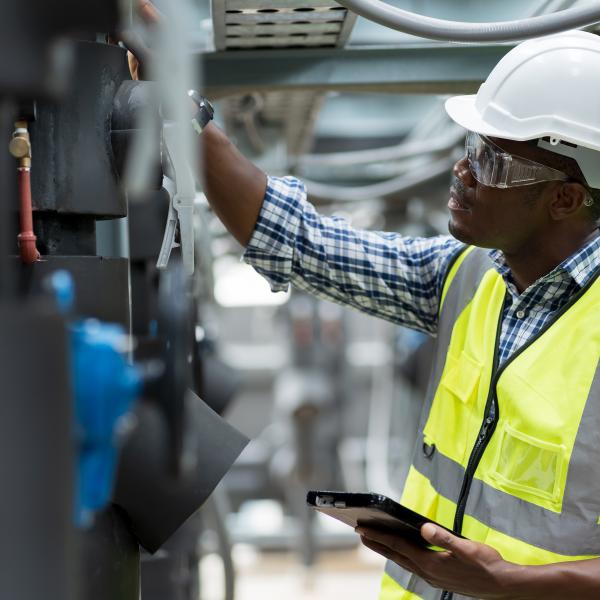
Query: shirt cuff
(271, 248)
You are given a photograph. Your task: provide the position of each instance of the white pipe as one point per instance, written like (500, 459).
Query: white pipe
(458, 31)
(387, 153)
(383, 189)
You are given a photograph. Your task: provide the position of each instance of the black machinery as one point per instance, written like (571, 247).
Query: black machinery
(107, 446)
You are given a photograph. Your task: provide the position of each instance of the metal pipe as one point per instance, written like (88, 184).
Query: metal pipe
(384, 189)
(458, 31)
(20, 148)
(388, 153)
(26, 238)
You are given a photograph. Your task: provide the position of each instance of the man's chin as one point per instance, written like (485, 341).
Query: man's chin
(462, 234)
(459, 233)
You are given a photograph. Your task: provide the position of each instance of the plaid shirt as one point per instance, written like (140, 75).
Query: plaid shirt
(388, 275)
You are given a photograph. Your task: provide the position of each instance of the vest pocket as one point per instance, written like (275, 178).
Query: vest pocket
(449, 425)
(528, 467)
(461, 377)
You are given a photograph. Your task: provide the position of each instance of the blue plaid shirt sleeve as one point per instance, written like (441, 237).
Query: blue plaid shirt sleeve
(387, 275)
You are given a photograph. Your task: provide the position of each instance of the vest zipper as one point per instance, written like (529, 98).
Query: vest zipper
(491, 408)
(488, 426)
(485, 433)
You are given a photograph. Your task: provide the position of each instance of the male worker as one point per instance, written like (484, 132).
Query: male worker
(507, 453)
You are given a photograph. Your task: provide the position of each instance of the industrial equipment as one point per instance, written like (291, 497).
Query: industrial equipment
(110, 444)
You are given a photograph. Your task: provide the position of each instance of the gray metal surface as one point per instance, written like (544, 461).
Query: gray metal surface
(72, 139)
(36, 549)
(437, 68)
(101, 284)
(30, 31)
(298, 112)
(109, 559)
(292, 114)
(280, 23)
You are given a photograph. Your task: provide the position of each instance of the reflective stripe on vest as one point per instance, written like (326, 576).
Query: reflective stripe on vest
(535, 496)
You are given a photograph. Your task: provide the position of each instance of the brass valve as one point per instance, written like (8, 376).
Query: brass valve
(20, 144)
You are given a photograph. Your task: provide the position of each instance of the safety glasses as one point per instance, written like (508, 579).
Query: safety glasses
(493, 167)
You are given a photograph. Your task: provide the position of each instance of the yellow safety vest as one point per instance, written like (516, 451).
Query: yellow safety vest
(508, 455)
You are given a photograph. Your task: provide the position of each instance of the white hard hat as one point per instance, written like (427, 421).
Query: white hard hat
(545, 87)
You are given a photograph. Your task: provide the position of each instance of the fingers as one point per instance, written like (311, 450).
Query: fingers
(134, 66)
(390, 539)
(148, 12)
(388, 553)
(139, 55)
(385, 551)
(437, 536)
(393, 546)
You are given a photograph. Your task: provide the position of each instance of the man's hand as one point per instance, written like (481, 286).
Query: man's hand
(148, 12)
(139, 55)
(465, 567)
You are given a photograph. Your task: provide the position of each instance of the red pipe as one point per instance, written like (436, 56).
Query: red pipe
(26, 239)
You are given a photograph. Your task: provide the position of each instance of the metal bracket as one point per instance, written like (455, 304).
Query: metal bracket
(181, 207)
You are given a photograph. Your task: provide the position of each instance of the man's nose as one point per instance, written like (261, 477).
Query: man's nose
(462, 171)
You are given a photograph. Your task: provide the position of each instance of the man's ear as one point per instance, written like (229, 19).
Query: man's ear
(567, 200)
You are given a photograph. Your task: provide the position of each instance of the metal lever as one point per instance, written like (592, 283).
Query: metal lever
(181, 207)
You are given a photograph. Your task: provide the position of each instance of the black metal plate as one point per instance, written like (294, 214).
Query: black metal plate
(101, 284)
(73, 169)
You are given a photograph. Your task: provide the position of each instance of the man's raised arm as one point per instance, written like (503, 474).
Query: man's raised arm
(234, 186)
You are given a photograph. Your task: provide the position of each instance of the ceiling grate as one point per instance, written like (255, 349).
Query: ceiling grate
(271, 25)
(274, 24)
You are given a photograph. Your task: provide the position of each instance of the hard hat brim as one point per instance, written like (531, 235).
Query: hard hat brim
(461, 109)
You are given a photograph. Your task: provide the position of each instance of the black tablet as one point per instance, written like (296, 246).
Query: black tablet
(371, 510)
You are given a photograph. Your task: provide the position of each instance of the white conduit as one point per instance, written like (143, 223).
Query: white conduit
(388, 153)
(391, 187)
(458, 31)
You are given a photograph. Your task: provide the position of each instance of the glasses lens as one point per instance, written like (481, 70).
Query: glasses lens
(480, 157)
(473, 152)
(491, 166)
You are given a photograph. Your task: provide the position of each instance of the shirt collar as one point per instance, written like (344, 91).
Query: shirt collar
(580, 266)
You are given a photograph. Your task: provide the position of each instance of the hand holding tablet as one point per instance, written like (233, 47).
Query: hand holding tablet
(371, 511)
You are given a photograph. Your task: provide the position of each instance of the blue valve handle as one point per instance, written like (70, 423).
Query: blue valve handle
(105, 388)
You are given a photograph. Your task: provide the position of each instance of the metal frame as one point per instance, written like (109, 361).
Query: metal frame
(436, 69)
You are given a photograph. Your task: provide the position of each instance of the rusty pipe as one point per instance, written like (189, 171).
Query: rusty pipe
(26, 238)
(20, 148)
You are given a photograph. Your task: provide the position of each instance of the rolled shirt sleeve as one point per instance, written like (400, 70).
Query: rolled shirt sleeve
(386, 275)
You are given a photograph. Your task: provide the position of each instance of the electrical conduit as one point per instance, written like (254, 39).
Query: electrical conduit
(458, 31)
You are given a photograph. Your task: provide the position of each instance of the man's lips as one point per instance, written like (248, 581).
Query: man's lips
(456, 202)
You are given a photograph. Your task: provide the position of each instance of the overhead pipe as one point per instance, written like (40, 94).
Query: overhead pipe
(20, 148)
(388, 153)
(384, 189)
(459, 31)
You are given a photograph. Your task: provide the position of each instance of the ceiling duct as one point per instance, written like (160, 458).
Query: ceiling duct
(267, 24)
